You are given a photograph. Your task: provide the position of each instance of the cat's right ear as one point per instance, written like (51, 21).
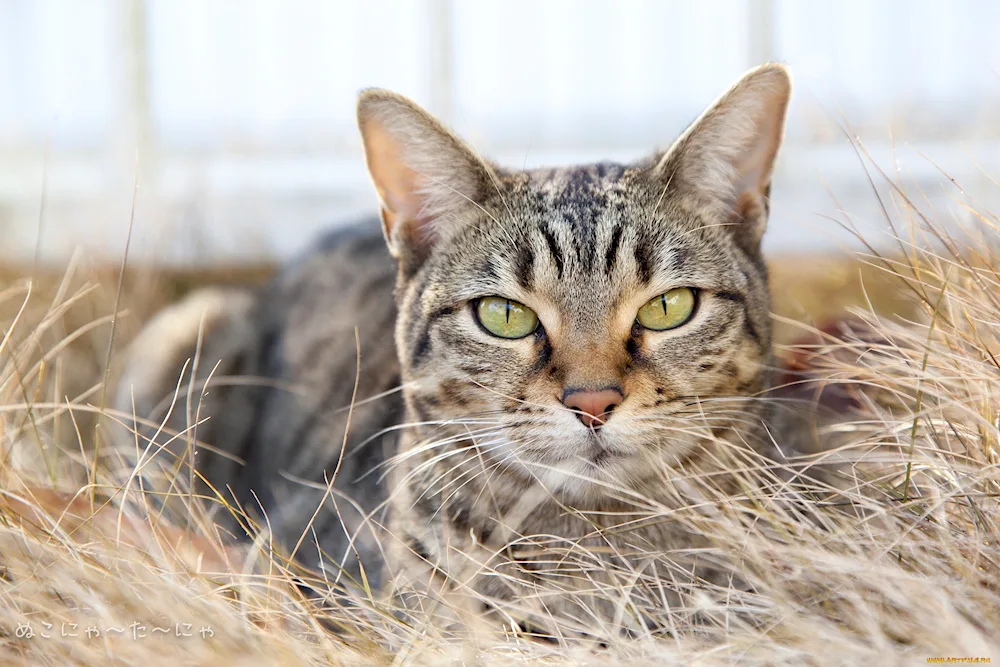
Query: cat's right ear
(426, 177)
(727, 156)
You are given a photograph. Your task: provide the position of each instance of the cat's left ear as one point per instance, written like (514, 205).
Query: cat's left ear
(426, 177)
(726, 157)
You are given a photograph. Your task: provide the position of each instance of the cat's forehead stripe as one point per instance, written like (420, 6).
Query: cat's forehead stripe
(554, 250)
(611, 254)
(569, 207)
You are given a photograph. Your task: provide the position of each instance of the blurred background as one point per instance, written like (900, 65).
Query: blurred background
(236, 117)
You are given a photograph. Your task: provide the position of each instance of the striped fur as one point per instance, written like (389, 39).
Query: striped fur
(479, 446)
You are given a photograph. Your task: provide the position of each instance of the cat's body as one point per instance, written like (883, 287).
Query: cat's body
(283, 365)
(494, 458)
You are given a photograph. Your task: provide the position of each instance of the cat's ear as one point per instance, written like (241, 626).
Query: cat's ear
(425, 175)
(726, 157)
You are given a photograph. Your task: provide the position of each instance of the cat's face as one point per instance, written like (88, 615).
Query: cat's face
(586, 325)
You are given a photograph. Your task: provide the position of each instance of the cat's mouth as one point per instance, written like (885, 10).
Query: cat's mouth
(592, 455)
(601, 453)
(602, 456)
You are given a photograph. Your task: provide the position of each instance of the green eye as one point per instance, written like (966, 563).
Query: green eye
(667, 311)
(506, 318)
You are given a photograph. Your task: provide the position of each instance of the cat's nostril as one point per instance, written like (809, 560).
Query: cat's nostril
(593, 408)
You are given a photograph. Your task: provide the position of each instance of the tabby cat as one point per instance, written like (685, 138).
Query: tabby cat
(514, 361)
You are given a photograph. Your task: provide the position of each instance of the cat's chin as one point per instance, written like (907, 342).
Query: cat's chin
(605, 474)
(585, 471)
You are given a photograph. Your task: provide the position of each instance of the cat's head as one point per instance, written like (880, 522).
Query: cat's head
(586, 322)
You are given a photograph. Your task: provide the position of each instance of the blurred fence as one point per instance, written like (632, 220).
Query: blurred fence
(236, 116)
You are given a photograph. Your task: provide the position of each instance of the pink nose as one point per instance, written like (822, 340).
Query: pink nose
(593, 408)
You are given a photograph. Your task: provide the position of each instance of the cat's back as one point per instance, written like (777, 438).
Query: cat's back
(348, 269)
(342, 283)
(327, 319)
(323, 324)
(300, 321)
(284, 360)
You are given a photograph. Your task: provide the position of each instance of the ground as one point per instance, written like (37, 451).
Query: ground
(913, 576)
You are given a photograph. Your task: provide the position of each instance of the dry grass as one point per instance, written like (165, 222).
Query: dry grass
(891, 560)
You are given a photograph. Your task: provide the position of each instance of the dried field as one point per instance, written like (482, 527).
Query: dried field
(913, 575)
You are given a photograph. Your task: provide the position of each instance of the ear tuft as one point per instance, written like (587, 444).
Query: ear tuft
(425, 175)
(726, 157)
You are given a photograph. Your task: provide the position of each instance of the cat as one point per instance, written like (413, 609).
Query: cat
(505, 363)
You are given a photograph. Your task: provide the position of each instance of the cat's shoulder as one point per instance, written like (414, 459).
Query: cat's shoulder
(348, 255)
(358, 241)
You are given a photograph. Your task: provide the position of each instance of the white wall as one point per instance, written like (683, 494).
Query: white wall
(237, 115)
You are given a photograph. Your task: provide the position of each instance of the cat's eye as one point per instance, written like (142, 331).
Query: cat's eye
(667, 311)
(505, 318)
